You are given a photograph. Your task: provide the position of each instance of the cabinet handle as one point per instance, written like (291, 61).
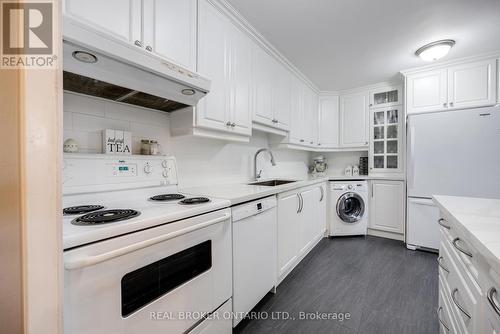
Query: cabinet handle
(441, 265)
(138, 43)
(451, 104)
(319, 144)
(322, 193)
(274, 120)
(460, 307)
(445, 325)
(371, 104)
(445, 105)
(372, 189)
(149, 48)
(311, 142)
(299, 209)
(228, 123)
(441, 222)
(455, 244)
(490, 295)
(302, 140)
(233, 124)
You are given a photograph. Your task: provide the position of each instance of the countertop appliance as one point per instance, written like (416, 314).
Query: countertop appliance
(134, 247)
(449, 153)
(319, 166)
(349, 208)
(254, 254)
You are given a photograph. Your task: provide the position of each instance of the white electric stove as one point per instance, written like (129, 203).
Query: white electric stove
(136, 248)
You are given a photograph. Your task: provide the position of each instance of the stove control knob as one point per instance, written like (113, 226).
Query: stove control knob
(164, 163)
(349, 186)
(165, 173)
(148, 169)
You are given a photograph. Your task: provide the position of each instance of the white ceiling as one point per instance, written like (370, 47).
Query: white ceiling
(341, 44)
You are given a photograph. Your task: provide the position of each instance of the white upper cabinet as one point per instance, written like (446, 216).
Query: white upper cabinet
(282, 97)
(224, 57)
(213, 54)
(166, 28)
(386, 97)
(472, 85)
(329, 122)
(272, 91)
(354, 120)
(117, 18)
(263, 87)
(426, 91)
(296, 134)
(467, 85)
(170, 30)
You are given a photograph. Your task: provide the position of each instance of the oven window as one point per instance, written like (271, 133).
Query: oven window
(148, 283)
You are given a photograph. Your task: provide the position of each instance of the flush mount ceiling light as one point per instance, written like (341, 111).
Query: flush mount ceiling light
(435, 50)
(85, 57)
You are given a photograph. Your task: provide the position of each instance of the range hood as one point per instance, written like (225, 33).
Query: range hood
(164, 87)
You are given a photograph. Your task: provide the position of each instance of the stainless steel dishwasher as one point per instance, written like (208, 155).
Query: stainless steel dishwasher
(254, 254)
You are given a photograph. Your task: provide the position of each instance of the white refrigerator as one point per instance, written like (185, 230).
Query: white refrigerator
(449, 153)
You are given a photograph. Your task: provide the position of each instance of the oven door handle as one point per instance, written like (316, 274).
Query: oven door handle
(71, 262)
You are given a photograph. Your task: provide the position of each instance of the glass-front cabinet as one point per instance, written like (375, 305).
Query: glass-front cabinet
(386, 97)
(386, 140)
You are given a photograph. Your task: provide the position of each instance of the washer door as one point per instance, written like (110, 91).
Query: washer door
(350, 207)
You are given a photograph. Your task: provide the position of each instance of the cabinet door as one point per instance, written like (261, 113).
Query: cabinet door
(170, 30)
(308, 224)
(329, 122)
(386, 140)
(387, 206)
(288, 231)
(310, 115)
(386, 97)
(426, 92)
(282, 97)
(296, 135)
(116, 18)
(314, 114)
(263, 87)
(422, 228)
(240, 83)
(321, 210)
(213, 58)
(354, 120)
(472, 85)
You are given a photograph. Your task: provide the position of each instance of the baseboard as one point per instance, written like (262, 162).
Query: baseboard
(385, 234)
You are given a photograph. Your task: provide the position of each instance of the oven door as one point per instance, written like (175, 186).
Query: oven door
(146, 282)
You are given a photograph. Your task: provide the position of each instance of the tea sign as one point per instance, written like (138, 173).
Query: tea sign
(117, 142)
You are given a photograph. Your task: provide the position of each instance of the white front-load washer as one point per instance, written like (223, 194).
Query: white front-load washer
(349, 208)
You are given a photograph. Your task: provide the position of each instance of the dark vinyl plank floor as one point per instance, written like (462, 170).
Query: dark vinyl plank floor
(383, 286)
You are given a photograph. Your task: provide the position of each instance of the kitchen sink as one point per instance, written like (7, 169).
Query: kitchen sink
(271, 183)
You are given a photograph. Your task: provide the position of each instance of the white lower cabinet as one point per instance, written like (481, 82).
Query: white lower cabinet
(387, 206)
(301, 224)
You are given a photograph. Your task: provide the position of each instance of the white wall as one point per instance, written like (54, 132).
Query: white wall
(201, 161)
(338, 161)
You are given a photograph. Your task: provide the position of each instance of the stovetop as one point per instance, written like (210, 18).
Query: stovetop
(79, 230)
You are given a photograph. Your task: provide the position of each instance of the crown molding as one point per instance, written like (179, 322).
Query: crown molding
(242, 23)
(361, 89)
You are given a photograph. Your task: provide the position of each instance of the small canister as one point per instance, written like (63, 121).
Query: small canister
(348, 170)
(355, 170)
(145, 147)
(154, 147)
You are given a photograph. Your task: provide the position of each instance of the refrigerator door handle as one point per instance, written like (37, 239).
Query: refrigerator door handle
(411, 144)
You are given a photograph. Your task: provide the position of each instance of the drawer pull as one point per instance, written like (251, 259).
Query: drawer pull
(491, 300)
(441, 265)
(460, 307)
(441, 222)
(455, 244)
(445, 325)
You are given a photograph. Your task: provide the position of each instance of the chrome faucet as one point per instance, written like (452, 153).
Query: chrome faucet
(257, 174)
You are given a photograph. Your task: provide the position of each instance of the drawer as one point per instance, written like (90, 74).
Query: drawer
(491, 306)
(465, 253)
(464, 302)
(447, 321)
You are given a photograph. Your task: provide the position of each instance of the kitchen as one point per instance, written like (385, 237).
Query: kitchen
(206, 172)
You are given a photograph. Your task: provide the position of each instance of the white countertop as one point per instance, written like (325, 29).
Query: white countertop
(242, 192)
(479, 219)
